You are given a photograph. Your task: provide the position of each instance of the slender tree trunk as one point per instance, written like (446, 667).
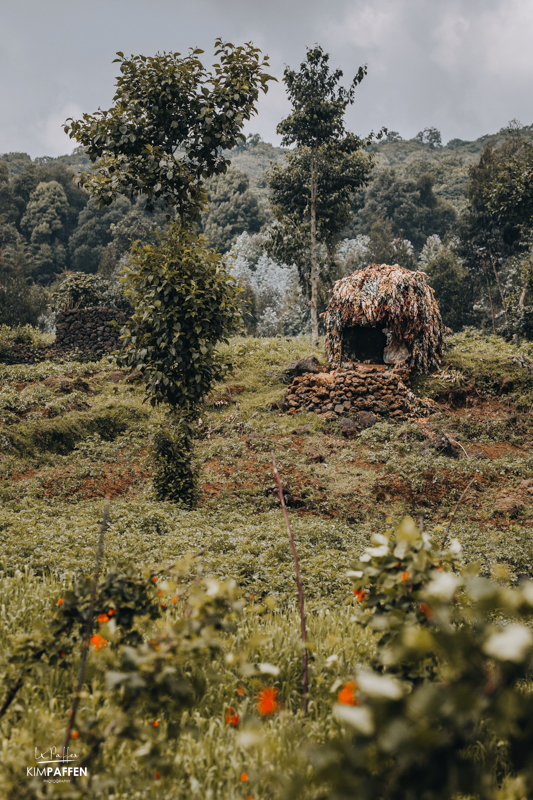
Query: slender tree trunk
(314, 265)
(490, 298)
(493, 262)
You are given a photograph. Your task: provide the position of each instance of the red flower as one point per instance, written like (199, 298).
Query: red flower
(232, 718)
(346, 696)
(244, 777)
(102, 618)
(60, 601)
(157, 775)
(111, 611)
(241, 692)
(426, 610)
(406, 576)
(267, 701)
(359, 594)
(74, 734)
(98, 641)
(155, 723)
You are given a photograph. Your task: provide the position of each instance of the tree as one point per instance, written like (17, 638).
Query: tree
(449, 279)
(44, 222)
(411, 206)
(497, 225)
(169, 124)
(312, 194)
(161, 140)
(94, 232)
(430, 136)
(233, 209)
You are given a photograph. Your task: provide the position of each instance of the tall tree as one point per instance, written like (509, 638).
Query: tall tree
(411, 206)
(169, 125)
(233, 209)
(44, 222)
(314, 191)
(164, 136)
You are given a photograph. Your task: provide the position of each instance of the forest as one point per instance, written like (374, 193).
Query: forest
(235, 564)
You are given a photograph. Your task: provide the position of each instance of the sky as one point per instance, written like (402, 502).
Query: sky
(462, 66)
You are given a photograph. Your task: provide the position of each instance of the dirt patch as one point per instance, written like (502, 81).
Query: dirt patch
(428, 493)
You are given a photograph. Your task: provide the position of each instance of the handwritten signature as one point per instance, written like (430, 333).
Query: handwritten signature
(53, 755)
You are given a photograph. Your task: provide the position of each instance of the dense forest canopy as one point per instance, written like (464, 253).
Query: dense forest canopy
(420, 203)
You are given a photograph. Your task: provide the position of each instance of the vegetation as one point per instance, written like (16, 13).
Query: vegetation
(313, 192)
(62, 452)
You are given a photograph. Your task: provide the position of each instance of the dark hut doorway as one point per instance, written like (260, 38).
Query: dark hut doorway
(363, 344)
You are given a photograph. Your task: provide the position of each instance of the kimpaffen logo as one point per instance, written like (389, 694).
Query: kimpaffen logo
(53, 764)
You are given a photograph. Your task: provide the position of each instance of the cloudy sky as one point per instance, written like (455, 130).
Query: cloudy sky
(463, 66)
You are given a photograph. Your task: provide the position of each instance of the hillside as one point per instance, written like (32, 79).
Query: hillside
(72, 433)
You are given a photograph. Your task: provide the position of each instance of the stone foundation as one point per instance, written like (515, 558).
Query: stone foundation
(360, 387)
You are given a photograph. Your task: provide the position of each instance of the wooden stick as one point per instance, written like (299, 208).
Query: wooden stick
(88, 628)
(298, 581)
(469, 484)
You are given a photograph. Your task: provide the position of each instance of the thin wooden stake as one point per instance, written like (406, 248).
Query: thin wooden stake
(88, 629)
(446, 533)
(299, 582)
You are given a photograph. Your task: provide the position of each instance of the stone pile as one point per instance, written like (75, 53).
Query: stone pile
(88, 330)
(359, 387)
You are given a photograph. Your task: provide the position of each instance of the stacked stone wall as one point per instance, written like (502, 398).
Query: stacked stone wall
(89, 330)
(383, 390)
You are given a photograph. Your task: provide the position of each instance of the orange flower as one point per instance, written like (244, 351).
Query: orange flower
(426, 610)
(244, 777)
(159, 593)
(60, 601)
(111, 611)
(249, 797)
(359, 594)
(251, 596)
(154, 578)
(74, 734)
(241, 692)
(232, 718)
(102, 618)
(346, 696)
(62, 654)
(157, 775)
(98, 641)
(267, 702)
(175, 599)
(406, 576)
(155, 723)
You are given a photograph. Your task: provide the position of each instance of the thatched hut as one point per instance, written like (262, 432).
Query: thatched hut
(384, 314)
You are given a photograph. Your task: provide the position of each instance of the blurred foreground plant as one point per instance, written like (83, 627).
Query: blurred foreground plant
(447, 708)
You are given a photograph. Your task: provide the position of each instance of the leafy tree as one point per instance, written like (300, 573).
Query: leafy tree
(411, 206)
(430, 136)
(312, 194)
(385, 247)
(169, 124)
(31, 176)
(233, 209)
(44, 222)
(450, 281)
(94, 232)
(21, 301)
(136, 225)
(162, 139)
(498, 222)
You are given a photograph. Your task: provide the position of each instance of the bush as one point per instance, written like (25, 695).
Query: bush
(186, 304)
(175, 477)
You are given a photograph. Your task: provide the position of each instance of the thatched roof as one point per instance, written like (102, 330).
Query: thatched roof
(389, 296)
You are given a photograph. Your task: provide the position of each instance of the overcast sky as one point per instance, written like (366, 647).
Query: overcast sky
(463, 66)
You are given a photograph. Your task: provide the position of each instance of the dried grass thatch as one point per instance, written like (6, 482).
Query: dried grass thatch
(394, 297)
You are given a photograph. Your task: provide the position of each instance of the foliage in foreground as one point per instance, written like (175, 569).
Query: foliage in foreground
(447, 709)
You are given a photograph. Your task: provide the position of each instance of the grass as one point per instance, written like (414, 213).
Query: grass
(60, 454)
